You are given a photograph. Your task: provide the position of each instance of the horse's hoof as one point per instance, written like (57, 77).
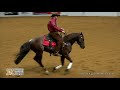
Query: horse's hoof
(47, 72)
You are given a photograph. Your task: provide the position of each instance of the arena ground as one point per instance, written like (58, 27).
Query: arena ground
(100, 58)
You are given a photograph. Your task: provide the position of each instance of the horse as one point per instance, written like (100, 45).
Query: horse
(46, 43)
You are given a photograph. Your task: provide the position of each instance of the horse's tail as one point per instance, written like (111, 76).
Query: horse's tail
(24, 49)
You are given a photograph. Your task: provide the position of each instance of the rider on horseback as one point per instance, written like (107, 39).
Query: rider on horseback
(53, 29)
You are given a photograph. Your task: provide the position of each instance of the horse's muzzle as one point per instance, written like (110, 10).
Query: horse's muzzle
(83, 47)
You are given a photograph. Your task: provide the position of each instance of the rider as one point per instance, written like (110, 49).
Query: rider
(54, 29)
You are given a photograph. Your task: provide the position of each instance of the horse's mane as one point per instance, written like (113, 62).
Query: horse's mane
(70, 36)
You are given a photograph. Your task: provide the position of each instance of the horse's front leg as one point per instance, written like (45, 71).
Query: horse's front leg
(61, 65)
(70, 64)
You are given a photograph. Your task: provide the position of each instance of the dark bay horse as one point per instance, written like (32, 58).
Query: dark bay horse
(37, 46)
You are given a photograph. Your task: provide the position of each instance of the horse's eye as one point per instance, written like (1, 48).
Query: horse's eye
(83, 39)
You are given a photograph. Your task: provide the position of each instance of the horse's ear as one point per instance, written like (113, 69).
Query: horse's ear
(81, 33)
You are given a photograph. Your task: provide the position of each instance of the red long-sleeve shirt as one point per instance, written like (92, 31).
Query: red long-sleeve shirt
(52, 26)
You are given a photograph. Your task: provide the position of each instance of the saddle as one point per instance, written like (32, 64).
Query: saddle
(49, 41)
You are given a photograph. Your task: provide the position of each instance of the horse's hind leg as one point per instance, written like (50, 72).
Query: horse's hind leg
(59, 66)
(38, 59)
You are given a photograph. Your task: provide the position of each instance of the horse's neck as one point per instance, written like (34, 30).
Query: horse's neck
(70, 38)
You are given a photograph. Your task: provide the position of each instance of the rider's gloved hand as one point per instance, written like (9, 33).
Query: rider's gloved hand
(63, 30)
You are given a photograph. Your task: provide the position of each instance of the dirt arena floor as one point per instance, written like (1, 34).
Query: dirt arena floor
(100, 58)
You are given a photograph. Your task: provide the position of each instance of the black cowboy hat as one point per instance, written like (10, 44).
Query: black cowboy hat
(53, 15)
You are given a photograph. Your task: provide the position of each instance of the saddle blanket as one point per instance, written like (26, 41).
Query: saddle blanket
(46, 42)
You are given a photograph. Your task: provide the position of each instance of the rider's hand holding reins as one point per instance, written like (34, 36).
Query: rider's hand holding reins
(63, 31)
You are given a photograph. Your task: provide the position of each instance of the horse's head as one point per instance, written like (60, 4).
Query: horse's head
(80, 40)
